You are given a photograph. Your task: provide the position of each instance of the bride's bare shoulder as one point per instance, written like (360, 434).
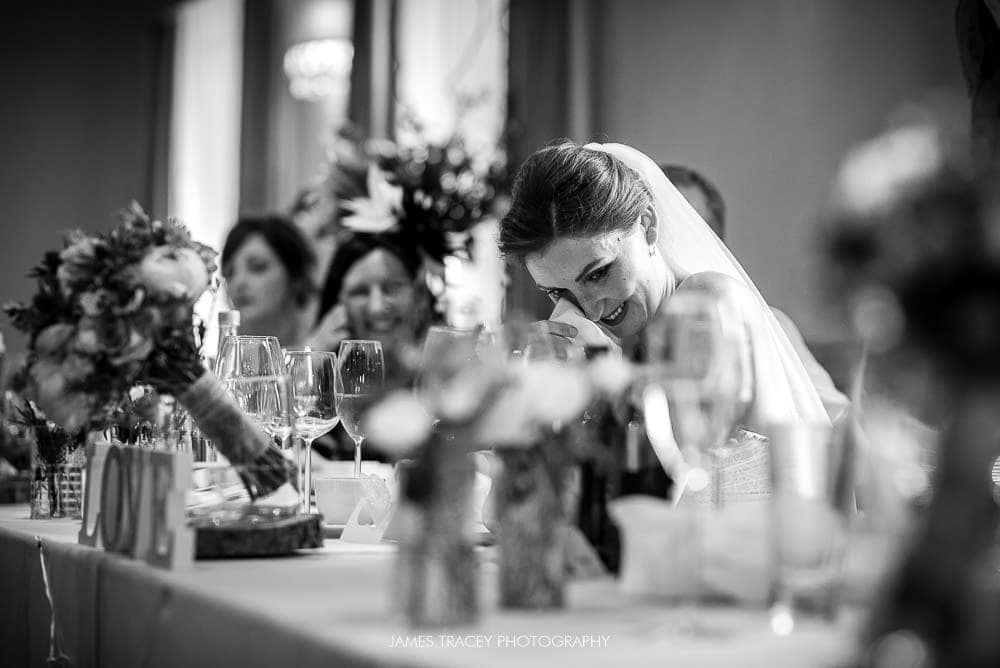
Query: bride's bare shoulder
(714, 282)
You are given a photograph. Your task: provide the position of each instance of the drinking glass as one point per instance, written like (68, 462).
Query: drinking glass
(249, 356)
(809, 521)
(445, 350)
(360, 382)
(266, 399)
(698, 352)
(313, 378)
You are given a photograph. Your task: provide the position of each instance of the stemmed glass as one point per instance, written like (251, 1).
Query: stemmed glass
(313, 378)
(249, 356)
(266, 399)
(361, 381)
(698, 351)
(442, 346)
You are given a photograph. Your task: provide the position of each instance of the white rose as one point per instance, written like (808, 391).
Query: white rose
(175, 272)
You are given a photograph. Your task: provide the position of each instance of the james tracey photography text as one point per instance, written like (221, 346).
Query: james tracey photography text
(501, 641)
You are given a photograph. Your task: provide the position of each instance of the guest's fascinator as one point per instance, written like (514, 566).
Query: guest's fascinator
(431, 194)
(427, 200)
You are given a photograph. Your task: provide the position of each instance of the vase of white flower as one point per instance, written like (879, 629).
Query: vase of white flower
(532, 520)
(437, 568)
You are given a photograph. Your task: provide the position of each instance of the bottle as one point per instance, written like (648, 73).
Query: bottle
(202, 449)
(229, 324)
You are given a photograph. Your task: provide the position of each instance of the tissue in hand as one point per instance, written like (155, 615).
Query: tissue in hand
(588, 333)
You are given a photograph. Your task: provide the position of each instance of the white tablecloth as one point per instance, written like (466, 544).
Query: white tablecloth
(332, 607)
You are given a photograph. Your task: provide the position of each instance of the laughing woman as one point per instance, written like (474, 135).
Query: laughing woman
(373, 291)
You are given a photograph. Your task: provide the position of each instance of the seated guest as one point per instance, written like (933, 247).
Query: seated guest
(701, 194)
(267, 264)
(373, 291)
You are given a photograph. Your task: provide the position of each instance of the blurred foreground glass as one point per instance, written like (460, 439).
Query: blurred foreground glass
(313, 380)
(699, 353)
(809, 522)
(361, 380)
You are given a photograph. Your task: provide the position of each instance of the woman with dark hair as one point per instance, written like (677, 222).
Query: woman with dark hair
(267, 264)
(373, 291)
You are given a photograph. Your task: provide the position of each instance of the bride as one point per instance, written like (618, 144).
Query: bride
(605, 234)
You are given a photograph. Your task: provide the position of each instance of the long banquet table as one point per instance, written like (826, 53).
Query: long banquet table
(331, 607)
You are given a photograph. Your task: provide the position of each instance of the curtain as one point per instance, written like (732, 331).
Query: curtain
(205, 139)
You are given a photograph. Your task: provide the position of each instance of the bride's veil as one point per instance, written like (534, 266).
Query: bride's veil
(783, 389)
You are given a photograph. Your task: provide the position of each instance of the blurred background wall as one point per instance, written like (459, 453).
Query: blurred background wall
(763, 96)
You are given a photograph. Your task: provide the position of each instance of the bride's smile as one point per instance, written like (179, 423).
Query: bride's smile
(613, 278)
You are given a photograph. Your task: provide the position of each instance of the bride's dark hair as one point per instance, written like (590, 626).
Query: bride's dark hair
(566, 190)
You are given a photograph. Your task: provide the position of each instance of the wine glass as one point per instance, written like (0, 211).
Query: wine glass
(698, 352)
(313, 378)
(361, 380)
(267, 400)
(444, 349)
(249, 356)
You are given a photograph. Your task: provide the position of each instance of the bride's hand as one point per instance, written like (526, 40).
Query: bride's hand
(560, 336)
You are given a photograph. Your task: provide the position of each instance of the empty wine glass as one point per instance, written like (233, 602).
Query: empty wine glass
(266, 399)
(444, 349)
(313, 379)
(249, 356)
(698, 352)
(361, 381)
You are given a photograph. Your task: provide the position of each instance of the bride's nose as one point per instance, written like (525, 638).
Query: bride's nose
(592, 308)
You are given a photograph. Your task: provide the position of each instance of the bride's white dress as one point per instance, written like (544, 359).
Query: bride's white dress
(789, 385)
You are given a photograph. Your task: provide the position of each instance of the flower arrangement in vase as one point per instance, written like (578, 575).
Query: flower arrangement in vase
(57, 485)
(473, 396)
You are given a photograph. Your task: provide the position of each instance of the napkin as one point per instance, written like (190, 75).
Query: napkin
(684, 554)
(588, 332)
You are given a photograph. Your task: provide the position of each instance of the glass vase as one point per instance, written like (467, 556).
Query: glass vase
(437, 567)
(532, 521)
(57, 491)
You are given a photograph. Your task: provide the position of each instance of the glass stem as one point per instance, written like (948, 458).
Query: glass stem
(307, 476)
(357, 457)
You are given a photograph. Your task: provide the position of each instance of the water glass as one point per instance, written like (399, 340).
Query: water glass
(360, 382)
(809, 521)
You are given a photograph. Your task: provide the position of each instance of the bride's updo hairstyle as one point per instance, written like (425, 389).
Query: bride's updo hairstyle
(567, 191)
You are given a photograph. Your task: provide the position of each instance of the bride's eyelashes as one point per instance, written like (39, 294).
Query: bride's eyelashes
(599, 273)
(596, 276)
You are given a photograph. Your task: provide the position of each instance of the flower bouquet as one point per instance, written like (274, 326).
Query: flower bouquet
(113, 311)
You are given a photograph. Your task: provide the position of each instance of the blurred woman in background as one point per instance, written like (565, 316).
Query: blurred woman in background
(267, 264)
(373, 291)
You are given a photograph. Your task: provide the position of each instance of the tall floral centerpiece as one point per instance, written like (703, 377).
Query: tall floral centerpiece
(914, 230)
(437, 197)
(114, 310)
